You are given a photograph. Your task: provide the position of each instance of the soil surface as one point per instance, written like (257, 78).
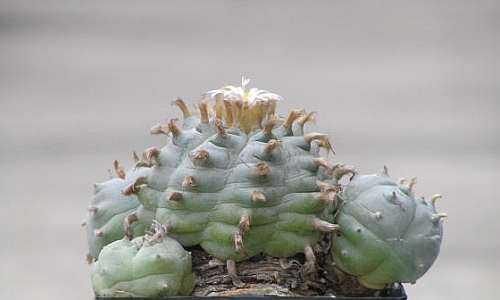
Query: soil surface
(264, 275)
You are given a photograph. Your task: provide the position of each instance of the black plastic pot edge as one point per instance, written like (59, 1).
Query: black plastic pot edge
(394, 294)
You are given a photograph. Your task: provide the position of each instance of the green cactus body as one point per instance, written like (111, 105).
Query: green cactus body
(241, 182)
(239, 194)
(109, 208)
(387, 235)
(154, 266)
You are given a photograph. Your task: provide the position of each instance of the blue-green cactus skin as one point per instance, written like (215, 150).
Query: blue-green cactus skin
(240, 192)
(151, 267)
(387, 235)
(237, 186)
(108, 209)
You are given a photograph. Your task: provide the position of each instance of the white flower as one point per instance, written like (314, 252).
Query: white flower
(240, 93)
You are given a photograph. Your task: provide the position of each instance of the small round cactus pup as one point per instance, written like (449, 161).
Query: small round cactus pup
(110, 206)
(387, 234)
(150, 266)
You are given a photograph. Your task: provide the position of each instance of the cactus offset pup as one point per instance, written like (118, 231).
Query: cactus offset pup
(388, 235)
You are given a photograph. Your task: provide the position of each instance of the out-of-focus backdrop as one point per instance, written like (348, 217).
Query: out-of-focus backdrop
(414, 85)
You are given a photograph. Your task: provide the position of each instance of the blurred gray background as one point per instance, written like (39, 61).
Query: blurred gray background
(413, 85)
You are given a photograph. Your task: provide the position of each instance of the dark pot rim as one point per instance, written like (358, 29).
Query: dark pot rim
(393, 294)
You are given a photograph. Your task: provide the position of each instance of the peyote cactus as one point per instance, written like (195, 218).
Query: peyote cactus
(387, 235)
(150, 266)
(239, 181)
